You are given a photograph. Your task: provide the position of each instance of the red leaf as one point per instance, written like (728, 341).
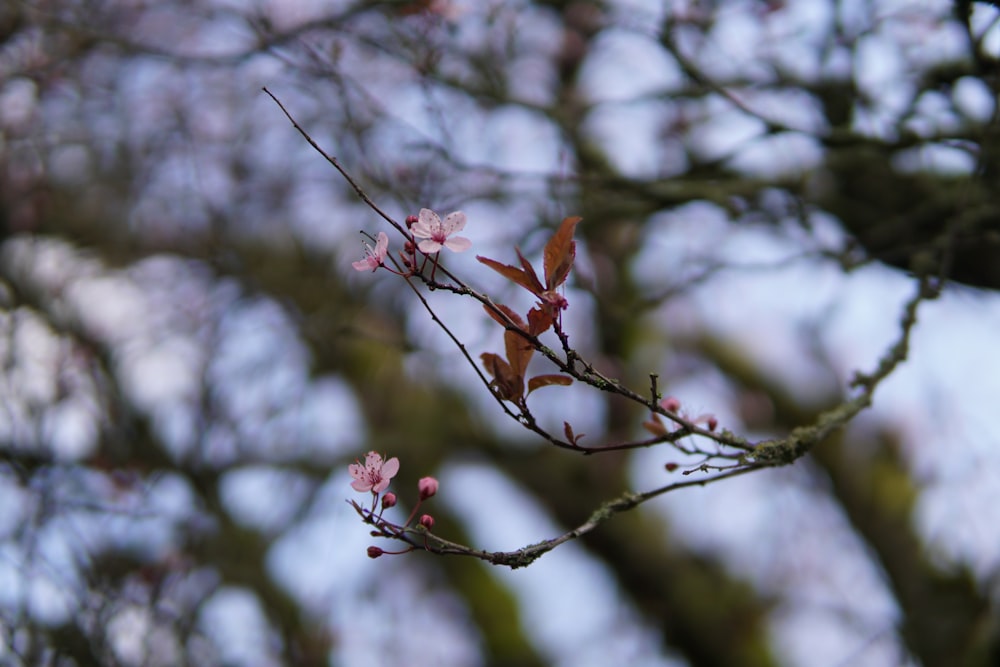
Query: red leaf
(539, 320)
(519, 352)
(570, 435)
(493, 363)
(546, 380)
(514, 317)
(508, 385)
(560, 252)
(530, 270)
(528, 281)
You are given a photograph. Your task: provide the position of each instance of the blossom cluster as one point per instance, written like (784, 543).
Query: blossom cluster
(507, 372)
(374, 476)
(433, 232)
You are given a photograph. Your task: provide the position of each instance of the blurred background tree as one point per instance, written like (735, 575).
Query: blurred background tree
(189, 362)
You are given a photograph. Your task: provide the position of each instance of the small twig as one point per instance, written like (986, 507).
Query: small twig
(527, 555)
(336, 165)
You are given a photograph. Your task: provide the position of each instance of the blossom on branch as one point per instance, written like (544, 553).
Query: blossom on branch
(436, 233)
(427, 486)
(374, 257)
(375, 474)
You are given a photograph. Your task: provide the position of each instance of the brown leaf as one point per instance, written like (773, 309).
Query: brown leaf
(514, 317)
(539, 320)
(528, 281)
(570, 435)
(493, 363)
(519, 352)
(508, 384)
(546, 380)
(560, 252)
(530, 271)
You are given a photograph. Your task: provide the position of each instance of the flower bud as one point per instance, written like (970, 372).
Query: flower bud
(388, 500)
(374, 552)
(427, 486)
(426, 520)
(411, 220)
(711, 422)
(671, 466)
(670, 404)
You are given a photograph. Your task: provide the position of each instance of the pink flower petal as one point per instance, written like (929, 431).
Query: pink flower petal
(429, 246)
(453, 222)
(458, 244)
(374, 257)
(427, 223)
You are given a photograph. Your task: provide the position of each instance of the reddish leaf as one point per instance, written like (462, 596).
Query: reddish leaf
(539, 320)
(493, 363)
(530, 270)
(546, 380)
(560, 252)
(568, 431)
(514, 317)
(508, 385)
(519, 352)
(570, 435)
(528, 281)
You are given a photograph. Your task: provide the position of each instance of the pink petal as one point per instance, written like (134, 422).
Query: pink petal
(361, 485)
(458, 244)
(390, 468)
(381, 245)
(453, 222)
(421, 231)
(429, 246)
(361, 265)
(426, 224)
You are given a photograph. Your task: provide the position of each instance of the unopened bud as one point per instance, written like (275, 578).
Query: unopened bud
(670, 404)
(427, 486)
(427, 521)
(712, 423)
(671, 467)
(411, 220)
(374, 552)
(388, 500)
(409, 248)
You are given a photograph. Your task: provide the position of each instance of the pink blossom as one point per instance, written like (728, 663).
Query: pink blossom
(708, 420)
(374, 475)
(670, 404)
(427, 486)
(374, 257)
(437, 232)
(388, 500)
(427, 521)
